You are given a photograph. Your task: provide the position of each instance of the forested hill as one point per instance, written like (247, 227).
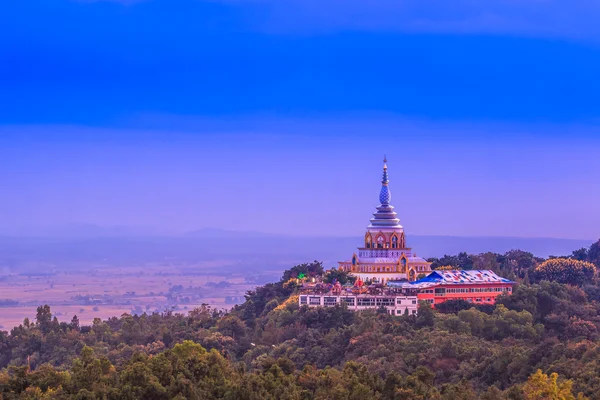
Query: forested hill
(541, 342)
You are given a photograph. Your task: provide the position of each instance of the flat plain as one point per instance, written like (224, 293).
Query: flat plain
(104, 292)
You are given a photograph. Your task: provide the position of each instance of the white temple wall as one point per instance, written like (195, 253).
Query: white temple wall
(396, 305)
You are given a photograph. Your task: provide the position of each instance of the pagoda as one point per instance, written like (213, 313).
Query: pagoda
(385, 256)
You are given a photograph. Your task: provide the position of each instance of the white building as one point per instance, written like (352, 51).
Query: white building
(395, 304)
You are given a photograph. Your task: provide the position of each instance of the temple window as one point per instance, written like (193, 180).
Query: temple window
(395, 242)
(380, 242)
(368, 240)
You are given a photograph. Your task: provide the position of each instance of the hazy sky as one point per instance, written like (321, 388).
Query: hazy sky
(274, 115)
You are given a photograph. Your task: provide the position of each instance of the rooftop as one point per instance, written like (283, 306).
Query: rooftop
(466, 276)
(454, 277)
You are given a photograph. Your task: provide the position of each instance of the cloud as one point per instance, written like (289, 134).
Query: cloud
(538, 18)
(123, 2)
(576, 19)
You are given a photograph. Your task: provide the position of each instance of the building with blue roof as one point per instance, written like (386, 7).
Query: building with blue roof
(474, 286)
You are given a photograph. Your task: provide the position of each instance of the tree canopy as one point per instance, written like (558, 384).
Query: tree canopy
(566, 270)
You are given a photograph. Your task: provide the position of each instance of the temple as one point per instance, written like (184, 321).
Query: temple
(385, 255)
(390, 276)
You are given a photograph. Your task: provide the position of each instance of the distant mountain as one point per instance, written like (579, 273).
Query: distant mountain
(326, 248)
(223, 234)
(128, 248)
(89, 244)
(81, 229)
(75, 230)
(218, 242)
(436, 246)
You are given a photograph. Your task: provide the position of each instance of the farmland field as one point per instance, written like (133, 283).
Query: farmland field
(109, 291)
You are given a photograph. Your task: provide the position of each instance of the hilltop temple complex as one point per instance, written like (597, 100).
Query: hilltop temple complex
(385, 255)
(389, 274)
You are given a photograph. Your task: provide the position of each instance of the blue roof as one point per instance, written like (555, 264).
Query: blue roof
(453, 277)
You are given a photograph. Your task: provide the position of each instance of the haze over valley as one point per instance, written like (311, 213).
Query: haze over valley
(96, 272)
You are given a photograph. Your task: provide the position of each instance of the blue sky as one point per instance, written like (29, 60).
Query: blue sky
(274, 115)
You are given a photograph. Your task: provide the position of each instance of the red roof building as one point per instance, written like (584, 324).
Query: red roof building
(474, 286)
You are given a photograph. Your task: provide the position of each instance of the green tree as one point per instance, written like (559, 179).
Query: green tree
(453, 306)
(92, 374)
(43, 318)
(580, 254)
(310, 270)
(340, 276)
(493, 393)
(231, 325)
(138, 382)
(593, 254)
(425, 315)
(518, 262)
(74, 323)
(460, 261)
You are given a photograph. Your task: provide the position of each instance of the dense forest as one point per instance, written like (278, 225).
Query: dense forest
(540, 342)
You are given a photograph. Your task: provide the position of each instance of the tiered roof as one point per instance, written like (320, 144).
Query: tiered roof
(385, 217)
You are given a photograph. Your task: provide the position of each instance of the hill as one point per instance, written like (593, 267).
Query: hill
(540, 342)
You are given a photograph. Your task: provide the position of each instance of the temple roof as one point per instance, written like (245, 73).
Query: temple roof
(415, 259)
(385, 217)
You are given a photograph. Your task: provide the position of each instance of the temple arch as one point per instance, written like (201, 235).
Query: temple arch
(403, 263)
(380, 241)
(368, 240)
(412, 275)
(394, 241)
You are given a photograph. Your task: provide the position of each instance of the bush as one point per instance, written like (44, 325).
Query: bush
(340, 276)
(454, 306)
